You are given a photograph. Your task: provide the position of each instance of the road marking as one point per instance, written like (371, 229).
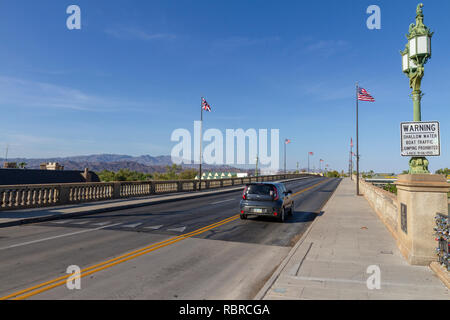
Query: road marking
(56, 237)
(63, 221)
(222, 201)
(23, 294)
(309, 188)
(180, 229)
(81, 222)
(101, 223)
(154, 227)
(134, 225)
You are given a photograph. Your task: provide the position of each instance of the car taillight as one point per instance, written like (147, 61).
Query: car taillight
(243, 194)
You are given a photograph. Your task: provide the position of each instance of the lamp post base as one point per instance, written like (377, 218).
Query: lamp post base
(418, 165)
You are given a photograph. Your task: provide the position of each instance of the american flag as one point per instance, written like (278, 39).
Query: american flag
(351, 142)
(363, 95)
(287, 141)
(311, 153)
(205, 105)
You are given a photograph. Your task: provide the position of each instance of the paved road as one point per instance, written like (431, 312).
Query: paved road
(190, 249)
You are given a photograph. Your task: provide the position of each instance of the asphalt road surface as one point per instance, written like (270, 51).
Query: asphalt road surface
(189, 249)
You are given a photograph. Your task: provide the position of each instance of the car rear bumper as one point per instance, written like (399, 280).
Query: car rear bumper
(256, 210)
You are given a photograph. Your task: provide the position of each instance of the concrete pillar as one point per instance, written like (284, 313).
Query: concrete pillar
(87, 175)
(116, 190)
(420, 197)
(64, 194)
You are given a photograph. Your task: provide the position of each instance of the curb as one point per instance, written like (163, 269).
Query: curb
(116, 208)
(261, 294)
(442, 274)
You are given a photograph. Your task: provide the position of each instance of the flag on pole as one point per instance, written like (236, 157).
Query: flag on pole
(287, 141)
(363, 95)
(351, 142)
(205, 105)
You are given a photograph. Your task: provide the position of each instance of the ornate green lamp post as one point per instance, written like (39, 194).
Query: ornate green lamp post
(416, 54)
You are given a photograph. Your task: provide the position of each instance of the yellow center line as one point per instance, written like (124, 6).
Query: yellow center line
(83, 274)
(158, 245)
(309, 188)
(23, 294)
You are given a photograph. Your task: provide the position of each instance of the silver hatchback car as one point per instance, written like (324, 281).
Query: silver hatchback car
(266, 199)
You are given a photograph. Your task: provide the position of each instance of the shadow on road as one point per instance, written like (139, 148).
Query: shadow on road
(297, 217)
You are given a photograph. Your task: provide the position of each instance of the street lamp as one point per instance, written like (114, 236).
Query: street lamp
(414, 57)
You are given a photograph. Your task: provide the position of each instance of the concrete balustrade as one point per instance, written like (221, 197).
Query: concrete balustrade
(43, 195)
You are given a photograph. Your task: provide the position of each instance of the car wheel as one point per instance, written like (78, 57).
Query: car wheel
(291, 211)
(282, 215)
(243, 216)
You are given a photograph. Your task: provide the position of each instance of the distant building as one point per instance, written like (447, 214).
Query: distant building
(221, 175)
(15, 176)
(10, 165)
(51, 166)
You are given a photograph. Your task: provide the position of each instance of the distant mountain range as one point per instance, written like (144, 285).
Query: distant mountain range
(115, 162)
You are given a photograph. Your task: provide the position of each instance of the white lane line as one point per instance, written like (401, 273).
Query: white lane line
(56, 237)
(154, 227)
(181, 229)
(81, 222)
(63, 221)
(222, 201)
(101, 223)
(134, 225)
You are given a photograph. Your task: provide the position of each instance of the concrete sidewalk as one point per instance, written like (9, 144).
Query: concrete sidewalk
(331, 259)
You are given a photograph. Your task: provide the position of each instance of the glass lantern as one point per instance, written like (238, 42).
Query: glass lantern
(420, 46)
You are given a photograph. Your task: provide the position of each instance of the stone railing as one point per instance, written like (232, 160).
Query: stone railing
(43, 195)
(383, 202)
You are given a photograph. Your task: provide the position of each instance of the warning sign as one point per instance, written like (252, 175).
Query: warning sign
(420, 139)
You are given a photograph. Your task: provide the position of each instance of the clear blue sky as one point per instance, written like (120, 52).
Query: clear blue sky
(136, 71)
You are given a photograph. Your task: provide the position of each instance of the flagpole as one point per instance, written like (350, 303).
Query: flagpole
(201, 155)
(357, 143)
(351, 159)
(308, 161)
(285, 156)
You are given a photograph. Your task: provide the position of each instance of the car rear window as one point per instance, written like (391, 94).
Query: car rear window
(261, 189)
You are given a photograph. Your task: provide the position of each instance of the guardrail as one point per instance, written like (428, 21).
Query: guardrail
(44, 195)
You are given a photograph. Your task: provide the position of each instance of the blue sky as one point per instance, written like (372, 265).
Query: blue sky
(136, 71)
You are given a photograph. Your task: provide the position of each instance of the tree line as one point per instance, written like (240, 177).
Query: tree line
(173, 172)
